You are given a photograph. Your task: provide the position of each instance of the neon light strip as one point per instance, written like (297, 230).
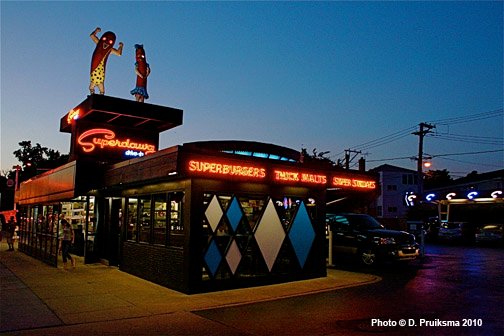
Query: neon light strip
(226, 169)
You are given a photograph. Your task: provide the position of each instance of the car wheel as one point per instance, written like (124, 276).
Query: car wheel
(368, 257)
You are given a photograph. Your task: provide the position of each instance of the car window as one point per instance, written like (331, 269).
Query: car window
(338, 223)
(364, 222)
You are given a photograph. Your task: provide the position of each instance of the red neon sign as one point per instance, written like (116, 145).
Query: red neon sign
(226, 169)
(353, 183)
(90, 140)
(290, 176)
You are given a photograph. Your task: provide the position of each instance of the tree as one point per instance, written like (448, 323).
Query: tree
(36, 159)
(316, 157)
(437, 178)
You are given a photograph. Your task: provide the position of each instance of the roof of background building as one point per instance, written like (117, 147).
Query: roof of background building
(387, 167)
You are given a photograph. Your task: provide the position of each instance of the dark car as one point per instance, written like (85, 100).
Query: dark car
(363, 236)
(490, 234)
(457, 232)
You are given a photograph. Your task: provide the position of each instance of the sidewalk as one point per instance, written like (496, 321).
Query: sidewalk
(98, 299)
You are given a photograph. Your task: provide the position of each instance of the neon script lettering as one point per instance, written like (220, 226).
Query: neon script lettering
(89, 141)
(226, 169)
(354, 183)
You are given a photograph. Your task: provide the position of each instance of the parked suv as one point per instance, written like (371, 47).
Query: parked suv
(363, 236)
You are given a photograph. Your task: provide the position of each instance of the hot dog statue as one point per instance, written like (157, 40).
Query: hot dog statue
(104, 47)
(142, 71)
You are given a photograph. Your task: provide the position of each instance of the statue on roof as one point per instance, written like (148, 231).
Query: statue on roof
(142, 70)
(104, 47)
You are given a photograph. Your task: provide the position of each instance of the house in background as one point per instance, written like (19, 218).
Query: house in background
(395, 183)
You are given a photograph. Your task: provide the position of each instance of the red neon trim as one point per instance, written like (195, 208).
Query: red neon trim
(109, 141)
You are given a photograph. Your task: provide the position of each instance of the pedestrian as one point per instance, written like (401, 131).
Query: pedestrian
(10, 230)
(67, 240)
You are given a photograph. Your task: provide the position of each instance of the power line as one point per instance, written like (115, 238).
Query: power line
(444, 136)
(385, 139)
(439, 155)
(470, 118)
(473, 163)
(469, 153)
(471, 136)
(391, 159)
(469, 139)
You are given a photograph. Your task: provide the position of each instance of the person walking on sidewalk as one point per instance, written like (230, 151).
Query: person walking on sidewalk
(10, 230)
(67, 240)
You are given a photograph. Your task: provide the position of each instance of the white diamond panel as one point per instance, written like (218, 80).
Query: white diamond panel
(214, 213)
(270, 235)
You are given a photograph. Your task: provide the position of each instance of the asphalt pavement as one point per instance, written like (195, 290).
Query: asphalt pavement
(96, 299)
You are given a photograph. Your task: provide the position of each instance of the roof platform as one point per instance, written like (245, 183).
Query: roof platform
(122, 113)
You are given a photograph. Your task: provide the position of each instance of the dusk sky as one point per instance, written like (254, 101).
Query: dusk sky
(324, 75)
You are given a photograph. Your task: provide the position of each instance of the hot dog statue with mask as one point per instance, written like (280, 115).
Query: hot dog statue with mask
(104, 47)
(142, 71)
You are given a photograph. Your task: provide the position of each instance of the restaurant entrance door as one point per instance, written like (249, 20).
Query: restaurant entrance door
(113, 223)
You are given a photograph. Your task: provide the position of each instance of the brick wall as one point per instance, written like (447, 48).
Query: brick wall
(161, 265)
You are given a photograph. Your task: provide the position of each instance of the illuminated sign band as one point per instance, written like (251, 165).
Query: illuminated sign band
(276, 175)
(226, 169)
(106, 139)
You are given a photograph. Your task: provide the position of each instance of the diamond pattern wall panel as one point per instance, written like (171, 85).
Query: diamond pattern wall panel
(270, 234)
(213, 257)
(214, 213)
(233, 256)
(234, 213)
(302, 234)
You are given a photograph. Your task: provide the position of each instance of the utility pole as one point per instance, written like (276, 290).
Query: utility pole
(424, 129)
(347, 157)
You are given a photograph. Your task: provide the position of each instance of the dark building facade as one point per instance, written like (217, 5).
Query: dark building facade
(197, 217)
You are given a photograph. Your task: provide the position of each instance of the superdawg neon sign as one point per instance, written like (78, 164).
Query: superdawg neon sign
(105, 139)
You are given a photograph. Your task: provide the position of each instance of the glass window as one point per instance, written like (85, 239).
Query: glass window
(132, 220)
(144, 204)
(286, 208)
(176, 226)
(252, 207)
(159, 219)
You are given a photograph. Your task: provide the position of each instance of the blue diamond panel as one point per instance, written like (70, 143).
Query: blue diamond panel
(234, 213)
(213, 257)
(302, 234)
